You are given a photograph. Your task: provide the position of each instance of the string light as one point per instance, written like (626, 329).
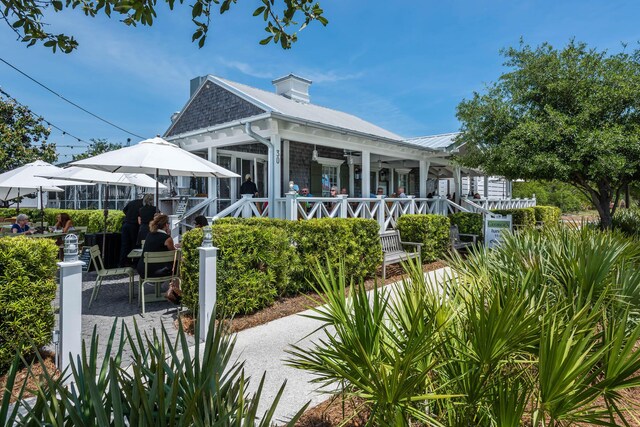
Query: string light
(64, 132)
(68, 101)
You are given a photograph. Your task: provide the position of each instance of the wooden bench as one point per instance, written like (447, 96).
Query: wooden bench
(457, 243)
(393, 251)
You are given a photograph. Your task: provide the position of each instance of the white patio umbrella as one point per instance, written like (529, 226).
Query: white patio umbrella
(157, 157)
(93, 176)
(27, 179)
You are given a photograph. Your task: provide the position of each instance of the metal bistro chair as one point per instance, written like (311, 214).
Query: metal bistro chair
(150, 258)
(110, 272)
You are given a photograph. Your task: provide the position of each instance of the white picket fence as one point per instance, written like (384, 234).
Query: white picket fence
(384, 210)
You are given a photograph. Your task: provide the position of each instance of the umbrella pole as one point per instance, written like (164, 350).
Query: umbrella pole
(18, 203)
(157, 193)
(41, 210)
(106, 215)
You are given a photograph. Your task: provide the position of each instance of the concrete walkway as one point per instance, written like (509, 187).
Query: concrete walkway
(263, 348)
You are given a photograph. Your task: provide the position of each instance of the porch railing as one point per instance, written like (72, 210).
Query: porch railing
(481, 205)
(385, 211)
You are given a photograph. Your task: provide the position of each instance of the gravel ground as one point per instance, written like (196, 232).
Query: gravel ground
(113, 305)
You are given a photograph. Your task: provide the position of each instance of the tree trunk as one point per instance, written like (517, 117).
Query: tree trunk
(602, 204)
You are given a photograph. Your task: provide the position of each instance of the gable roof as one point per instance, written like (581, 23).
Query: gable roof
(286, 108)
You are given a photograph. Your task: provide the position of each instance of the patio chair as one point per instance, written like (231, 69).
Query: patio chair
(151, 258)
(102, 272)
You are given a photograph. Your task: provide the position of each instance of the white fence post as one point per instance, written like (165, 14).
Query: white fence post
(344, 206)
(246, 209)
(380, 213)
(207, 283)
(174, 224)
(291, 209)
(70, 304)
(412, 205)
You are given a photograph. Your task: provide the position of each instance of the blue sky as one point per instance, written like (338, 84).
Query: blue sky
(403, 65)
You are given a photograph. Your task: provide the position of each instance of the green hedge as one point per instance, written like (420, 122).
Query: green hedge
(27, 288)
(522, 217)
(547, 215)
(354, 241)
(254, 265)
(468, 223)
(91, 218)
(430, 230)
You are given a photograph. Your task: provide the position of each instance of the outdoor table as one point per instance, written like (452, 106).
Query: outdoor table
(45, 234)
(135, 254)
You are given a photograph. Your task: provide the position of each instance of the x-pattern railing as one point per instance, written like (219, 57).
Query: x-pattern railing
(385, 210)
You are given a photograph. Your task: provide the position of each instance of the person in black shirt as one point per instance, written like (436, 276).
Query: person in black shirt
(249, 187)
(145, 216)
(158, 240)
(129, 230)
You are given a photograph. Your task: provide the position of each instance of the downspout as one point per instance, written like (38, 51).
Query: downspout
(270, 167)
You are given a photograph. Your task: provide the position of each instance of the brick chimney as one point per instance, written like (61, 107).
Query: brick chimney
(293, 87)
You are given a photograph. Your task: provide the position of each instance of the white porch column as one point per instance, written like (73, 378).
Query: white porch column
(212, 183)
(352, 181)
(366, 173)
(275, 187)
(457, 184)
(424, 173)
(380, 214)
(285, 162)
(486, 186)
(233, 187)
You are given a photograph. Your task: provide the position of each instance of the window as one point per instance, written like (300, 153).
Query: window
(330, 174)
(329, 179)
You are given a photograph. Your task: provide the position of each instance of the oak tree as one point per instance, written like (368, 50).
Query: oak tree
(23, 136)
(571, 115)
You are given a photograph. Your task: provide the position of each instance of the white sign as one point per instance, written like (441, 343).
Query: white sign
(494, 226)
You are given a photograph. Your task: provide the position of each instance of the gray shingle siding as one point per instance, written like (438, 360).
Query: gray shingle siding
(300, 161)
(212, 106)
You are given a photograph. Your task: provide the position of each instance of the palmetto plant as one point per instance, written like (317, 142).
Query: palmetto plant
(543, 329)
(168, 384)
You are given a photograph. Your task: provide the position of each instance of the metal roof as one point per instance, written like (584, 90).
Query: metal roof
(307, 112)
(444, 142)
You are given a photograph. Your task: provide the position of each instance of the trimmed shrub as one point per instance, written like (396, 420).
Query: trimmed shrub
(430, 230)
(253, 267)
(354, 241)
(91, 218)
(468, 223)
(96, 221)
(522, 217)
(547, 215)
(627, 221)
(27, 288)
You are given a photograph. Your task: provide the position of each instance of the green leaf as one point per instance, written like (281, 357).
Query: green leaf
(259, 10)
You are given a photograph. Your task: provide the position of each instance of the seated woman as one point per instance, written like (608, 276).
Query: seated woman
(157, 240)
(145, 215)
(21, 226)
(64, 223)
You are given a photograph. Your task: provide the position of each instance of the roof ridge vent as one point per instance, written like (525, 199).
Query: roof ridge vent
(293, 87)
